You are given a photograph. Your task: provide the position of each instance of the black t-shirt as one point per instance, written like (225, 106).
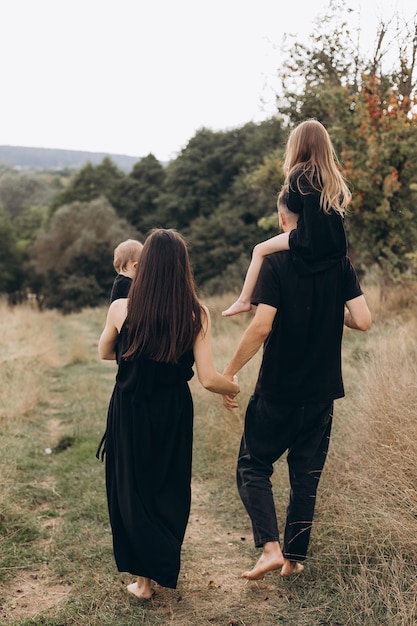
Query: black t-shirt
(302, 354)
(121, 286)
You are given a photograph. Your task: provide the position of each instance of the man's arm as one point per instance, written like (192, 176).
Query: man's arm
(253, 337)
(357, 314)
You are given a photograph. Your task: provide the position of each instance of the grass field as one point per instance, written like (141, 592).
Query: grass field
(56, 560)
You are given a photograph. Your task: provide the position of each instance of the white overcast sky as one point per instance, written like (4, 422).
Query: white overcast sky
(140, 76)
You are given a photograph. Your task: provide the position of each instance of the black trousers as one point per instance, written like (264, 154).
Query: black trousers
(270, 430)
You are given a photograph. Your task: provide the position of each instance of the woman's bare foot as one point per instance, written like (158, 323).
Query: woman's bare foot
(271, 559)
(291, 567)
(240, 306)
(141, 588)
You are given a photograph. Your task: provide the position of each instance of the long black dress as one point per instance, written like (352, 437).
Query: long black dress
(148, 449)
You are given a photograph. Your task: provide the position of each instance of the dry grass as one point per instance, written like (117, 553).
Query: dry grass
(27, 349)
(366, 525)
(53, 518)
(370, 487)
(386, 302)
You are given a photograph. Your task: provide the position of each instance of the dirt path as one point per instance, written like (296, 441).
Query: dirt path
(211, 590)
(30, 594)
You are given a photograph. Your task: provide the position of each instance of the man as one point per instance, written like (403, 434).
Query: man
(300, 318)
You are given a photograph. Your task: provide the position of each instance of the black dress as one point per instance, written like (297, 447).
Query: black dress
(148, 449)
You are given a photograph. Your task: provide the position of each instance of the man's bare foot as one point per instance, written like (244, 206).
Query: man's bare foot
(290, 568)
(141, 588)
(239, 306)
(271, 559)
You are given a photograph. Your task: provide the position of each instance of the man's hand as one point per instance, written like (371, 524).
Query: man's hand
(230, 401)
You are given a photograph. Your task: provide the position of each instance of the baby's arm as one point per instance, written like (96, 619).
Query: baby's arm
(260, 251)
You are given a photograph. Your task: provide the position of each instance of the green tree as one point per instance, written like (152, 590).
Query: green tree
(221, 244)
(135, 197)
(382, 169)
(11, 266)
(71, 262)
(28, 223)
(369, 114)
(222, 240)
(203, 175)
(90, 182)
(20, 191)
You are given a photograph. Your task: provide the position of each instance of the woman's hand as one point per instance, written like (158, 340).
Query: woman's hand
(229, 401)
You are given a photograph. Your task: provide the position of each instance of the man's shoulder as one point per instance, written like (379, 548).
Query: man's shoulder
(279, 262)
(284, 263)
(279, 258)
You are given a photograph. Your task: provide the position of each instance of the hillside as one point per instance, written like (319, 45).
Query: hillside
(50, 158)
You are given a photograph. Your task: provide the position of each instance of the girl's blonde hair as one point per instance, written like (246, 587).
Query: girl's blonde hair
(310, 152)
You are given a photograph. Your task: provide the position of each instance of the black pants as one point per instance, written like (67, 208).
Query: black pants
(269, 431)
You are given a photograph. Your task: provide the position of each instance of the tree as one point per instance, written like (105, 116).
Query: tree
(29, 223)
(221, 240)
(382, 169)
(203, 175)
(71, 262)
(21, 191)
(90, 182)
(11, 267)
(371, 117)
(135, 197)
(320, 78)
(221, 244)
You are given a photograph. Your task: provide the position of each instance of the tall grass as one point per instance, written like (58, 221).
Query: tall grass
(27, 350)
(56, 564)
(370, 486)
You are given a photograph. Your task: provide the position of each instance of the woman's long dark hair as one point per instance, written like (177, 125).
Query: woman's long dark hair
(163, 312)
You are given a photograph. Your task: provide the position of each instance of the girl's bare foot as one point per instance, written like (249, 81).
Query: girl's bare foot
(141, 588)
(290, 568)
(271, 559)
(240, 306)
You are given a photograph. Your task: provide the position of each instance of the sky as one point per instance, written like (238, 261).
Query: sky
(143, 76)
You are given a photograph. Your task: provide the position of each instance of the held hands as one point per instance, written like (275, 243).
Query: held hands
(229, 401)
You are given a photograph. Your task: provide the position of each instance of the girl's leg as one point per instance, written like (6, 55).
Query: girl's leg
(242, 304)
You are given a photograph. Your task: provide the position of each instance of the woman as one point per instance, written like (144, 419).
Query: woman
(155, 335)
